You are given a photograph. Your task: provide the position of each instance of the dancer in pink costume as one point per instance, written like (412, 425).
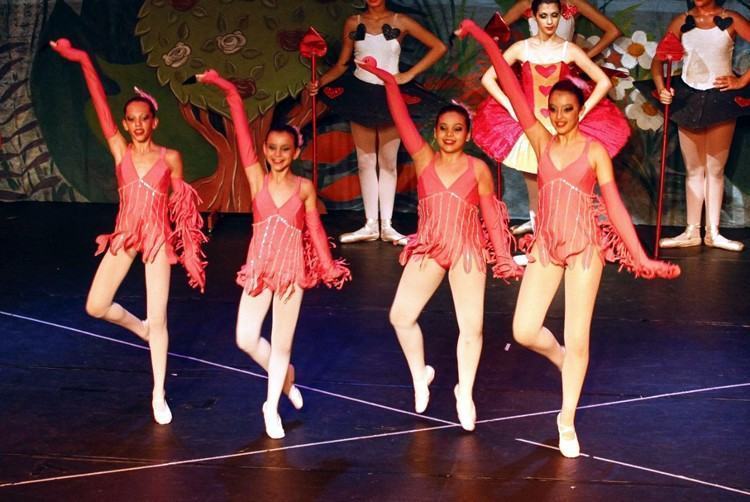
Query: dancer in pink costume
(163, 229)
(289, 252)
(546, 58)
(451, 239)
(577, 231)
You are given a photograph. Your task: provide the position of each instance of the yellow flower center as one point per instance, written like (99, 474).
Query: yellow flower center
(636, 50)
(649, 109)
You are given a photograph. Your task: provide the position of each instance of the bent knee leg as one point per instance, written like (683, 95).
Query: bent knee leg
(525, 333)
(401, 317)
(97, 308)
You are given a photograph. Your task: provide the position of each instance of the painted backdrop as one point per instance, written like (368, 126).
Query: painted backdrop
(52, 149)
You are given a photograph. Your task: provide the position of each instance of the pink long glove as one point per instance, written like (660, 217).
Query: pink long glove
(620, 219)
(506, 77)
(412, 140)
(239, 117)
(495, 216)
(98, 96)
(333, 273)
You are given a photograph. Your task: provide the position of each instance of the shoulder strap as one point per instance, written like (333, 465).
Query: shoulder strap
(565, 50)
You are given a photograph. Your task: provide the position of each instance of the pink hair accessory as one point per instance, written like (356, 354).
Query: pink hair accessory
(148, 97)
(300, 138)
(468, 110)
(580, 83)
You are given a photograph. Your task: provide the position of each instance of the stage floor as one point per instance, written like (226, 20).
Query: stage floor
(664, 414)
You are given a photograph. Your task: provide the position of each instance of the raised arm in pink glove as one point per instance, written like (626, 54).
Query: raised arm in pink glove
(413, 141)
(98, 97)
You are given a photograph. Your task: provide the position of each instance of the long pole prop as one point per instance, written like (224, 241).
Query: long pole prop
(315, 124)
(662, 173)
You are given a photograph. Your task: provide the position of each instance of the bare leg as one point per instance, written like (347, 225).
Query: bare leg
(157, 295)
(468, 299)
(285, 315)
(365, 140)
(107, 280)
(538, 288)
(389, 142)
(718, 143)
(418, 283)
(581, 287)
(533, 188)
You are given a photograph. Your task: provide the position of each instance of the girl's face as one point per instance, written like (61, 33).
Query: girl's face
(564, 110)
(139, 121)
(705, 3)
(451, 132)
(280, 149)
(548, 17)
(374, 4)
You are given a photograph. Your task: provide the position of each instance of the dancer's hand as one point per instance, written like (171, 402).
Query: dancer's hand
(657, 268)
(728, 83)
(403, 78)
(666, 95)
(371, 64)
(212, 77)
(467, 27)
(63, 47)
(313, 87)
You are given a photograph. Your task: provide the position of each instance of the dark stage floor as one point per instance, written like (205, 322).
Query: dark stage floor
(665, 410)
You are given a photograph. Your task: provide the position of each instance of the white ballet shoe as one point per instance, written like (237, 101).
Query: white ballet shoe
(370, 232)
(568, 444)
(467, 412)
(689, 238)
(390, 234)
(295, 397)
(422, 389)
(715, 240)
(144, 323)
(521, 260)
(274, 429)
(523, 228)
(162, 413)
(291, 391)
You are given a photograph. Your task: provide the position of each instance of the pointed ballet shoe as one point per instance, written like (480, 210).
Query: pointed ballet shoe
(422, 389)
(568, 444)
(370, 232)
(390, 234)
(467, 412)
(272, 420)
(689, 238)
(523, 228)
(290, 390)
(162, 413)
(715, 240)
(521, 260)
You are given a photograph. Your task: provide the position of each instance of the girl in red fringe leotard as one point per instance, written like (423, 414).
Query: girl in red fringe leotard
(451, 239)
(164, 229)
(577, 231)
(289, 252)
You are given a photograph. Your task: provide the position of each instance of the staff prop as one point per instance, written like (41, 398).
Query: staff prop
(668, 51)
(313, 46)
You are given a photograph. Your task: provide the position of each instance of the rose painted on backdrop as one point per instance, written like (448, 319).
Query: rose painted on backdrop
(245, 86)
(178, 55)
(182, 5)
(230, 43)
(289, 39)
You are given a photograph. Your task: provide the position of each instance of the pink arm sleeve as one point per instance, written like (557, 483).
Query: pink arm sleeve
(239, 117)
(98, 96)
(508, 81)
(620, 219)
(410, 136)
(495, 216)
(333, 273)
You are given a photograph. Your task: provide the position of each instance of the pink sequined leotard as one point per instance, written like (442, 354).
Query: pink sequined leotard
(449, 228)
(572, 221)
(281, 254)
(143, 219)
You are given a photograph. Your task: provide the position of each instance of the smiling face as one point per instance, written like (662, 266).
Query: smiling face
(451, 132)
(548, 17)
(374, 4)
(564, 109)
(280, 150)
(139, 121)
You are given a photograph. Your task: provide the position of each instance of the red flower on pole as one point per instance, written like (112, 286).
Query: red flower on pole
(670, 48)
(312, 44)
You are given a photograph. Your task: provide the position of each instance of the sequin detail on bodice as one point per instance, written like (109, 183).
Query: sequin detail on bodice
(449, 229)
(143, 218)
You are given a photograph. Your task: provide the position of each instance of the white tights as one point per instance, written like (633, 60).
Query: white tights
(377, 148)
